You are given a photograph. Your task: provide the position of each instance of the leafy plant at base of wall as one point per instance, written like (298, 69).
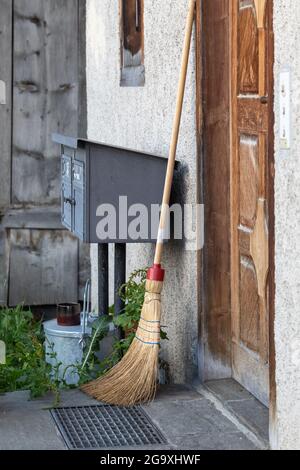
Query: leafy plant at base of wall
(132, 293)
(26, 367)
(91, 366)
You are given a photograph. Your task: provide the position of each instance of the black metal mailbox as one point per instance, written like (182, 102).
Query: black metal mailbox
(94, 174)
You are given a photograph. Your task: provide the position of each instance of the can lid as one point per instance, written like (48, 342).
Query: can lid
(51, 328)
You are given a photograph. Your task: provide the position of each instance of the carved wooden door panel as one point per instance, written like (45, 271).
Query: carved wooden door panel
(251, 108)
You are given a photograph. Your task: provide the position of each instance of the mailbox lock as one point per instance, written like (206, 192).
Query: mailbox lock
(69, 200)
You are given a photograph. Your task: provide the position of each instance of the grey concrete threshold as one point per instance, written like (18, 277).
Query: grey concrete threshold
(249, 415)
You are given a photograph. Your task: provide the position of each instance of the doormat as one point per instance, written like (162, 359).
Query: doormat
(106, 426)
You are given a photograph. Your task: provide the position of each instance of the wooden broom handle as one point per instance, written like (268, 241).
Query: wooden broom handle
(175, 132)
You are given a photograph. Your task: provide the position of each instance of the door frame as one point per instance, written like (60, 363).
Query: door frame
(211, 362)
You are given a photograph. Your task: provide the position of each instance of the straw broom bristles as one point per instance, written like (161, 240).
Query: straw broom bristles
(134, 379)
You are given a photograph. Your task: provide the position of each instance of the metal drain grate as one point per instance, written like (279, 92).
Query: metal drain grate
(103, 426)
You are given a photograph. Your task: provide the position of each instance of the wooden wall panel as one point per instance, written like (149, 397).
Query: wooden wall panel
(5, 99)
(42, 50)
(45, 94)
(6, 8)
(40, 265)
(82, 100)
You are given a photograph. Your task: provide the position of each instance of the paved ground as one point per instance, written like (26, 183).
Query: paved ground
(188, 419)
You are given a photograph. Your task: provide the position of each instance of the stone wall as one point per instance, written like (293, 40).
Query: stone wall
(141, 118)
(286, 432)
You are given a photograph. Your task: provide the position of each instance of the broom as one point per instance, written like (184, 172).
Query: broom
(134, 379)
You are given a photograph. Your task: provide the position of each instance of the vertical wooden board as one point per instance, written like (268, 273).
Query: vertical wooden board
(43, 267)
(82, 95)
(4, 266)
(5, 100)
(216, 166)
(45, 94)
(199, 184)
(260, 7)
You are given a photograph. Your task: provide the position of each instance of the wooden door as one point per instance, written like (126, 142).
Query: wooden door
(252, 106)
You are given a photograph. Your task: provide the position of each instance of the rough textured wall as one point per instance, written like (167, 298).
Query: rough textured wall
(287, 213)
(141, 118)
